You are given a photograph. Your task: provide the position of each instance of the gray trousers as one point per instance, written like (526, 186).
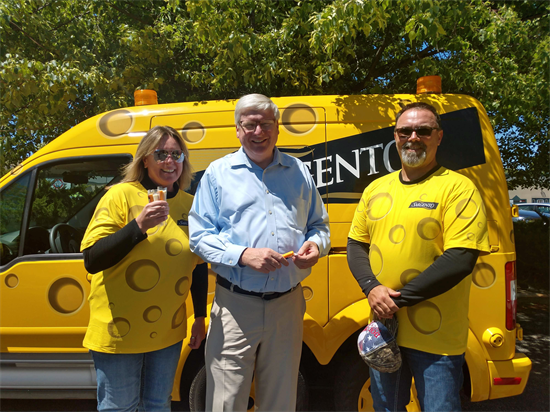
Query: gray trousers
(247, 337)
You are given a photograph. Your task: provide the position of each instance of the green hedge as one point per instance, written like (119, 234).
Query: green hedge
(532, 249)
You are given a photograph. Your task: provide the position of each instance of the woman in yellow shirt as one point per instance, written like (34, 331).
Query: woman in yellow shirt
(143, 271)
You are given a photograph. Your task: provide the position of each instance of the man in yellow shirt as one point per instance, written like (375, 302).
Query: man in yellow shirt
(414, 241)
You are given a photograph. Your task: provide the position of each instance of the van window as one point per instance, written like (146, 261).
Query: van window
(12, 200)
(64, 201)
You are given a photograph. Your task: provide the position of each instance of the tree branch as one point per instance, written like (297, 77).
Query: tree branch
(34, 41)
(427, 52)
(378, 55)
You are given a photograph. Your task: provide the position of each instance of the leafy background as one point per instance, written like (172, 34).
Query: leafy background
(63, 61)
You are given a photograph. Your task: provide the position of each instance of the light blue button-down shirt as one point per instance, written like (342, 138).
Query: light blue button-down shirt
(238, 205)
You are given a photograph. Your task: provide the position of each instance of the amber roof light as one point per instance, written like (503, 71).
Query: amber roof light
(428, 84)
(145, 97)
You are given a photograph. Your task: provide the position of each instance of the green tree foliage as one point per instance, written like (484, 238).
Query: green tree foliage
(64, 61)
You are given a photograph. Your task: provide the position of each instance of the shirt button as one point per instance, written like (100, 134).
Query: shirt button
(270, 212)
(267, 191)
(230, 261)
(272, 278)
(272, 234)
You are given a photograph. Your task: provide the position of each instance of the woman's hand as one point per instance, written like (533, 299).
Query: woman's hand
(152, 214)
(198, 333)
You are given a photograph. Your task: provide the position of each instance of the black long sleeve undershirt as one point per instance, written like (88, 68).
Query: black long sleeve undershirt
(110, 250)
(442, 275)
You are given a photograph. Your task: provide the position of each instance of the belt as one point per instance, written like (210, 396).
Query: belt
(224, 283)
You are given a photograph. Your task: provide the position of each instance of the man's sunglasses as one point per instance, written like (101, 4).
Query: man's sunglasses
(420, 131)
(161, 155)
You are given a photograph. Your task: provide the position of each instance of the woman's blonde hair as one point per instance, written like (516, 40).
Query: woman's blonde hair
(135, 170)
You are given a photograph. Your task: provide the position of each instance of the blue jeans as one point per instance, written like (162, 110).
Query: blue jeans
(437, 378)
(142, 381)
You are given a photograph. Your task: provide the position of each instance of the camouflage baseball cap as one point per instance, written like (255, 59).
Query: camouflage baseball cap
(378, 348)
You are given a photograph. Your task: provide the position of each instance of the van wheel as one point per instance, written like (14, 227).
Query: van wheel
(352, 385)
(197, 393)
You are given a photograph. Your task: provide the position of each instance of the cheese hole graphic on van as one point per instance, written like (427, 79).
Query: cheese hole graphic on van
(11, 280)
(182, 286)
(425, 317)
(484, 275)
(466, 209)
(118, 327)
(179, 316)
(428, 228)
(308, 293)
(142, 275)
(115, 124)
(174, 247)
(193, 132)
(66, 295)
(299, 118)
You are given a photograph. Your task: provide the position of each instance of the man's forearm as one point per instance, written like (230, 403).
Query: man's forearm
(442, 275)
(359, 264)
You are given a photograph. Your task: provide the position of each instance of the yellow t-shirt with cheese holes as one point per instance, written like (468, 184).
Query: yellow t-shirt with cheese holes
(408, 226)
(138, 305)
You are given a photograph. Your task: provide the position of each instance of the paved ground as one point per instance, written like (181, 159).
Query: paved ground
(533, 314)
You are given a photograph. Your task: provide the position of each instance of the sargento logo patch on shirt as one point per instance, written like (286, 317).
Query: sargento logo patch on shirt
(183, 222)
(424, 205)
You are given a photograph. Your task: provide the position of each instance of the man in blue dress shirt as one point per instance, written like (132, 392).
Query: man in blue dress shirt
(251, 207)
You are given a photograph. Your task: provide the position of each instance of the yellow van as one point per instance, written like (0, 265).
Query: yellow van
(345, 141)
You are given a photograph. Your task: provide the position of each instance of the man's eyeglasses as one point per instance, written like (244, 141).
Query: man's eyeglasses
(406, 132)
(266, 126)
(161, 155)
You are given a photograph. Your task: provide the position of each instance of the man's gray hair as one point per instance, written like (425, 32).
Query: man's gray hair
(255, 102)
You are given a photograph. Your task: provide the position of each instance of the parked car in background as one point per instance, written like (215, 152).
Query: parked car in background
(526, 216)
(541, 208)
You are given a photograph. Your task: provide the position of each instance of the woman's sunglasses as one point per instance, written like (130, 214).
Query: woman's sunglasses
(161, 155)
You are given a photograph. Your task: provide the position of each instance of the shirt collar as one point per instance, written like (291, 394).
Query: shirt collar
(240, 158)
(147, 183)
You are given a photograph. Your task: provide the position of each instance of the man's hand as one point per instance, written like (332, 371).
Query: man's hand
(307, 256)
(263, 260)
(198, 333)
(380, 300)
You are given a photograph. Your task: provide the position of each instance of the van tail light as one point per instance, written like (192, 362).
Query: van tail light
(507, 381)
(511, 299)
